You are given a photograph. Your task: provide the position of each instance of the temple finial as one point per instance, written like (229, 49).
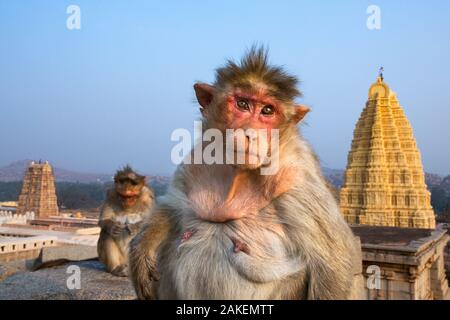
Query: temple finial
(380, 73)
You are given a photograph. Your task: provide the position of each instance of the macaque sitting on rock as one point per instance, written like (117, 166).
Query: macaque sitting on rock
(127, 204)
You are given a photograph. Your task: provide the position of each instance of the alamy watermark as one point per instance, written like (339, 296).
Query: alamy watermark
(238, 147)
(374, 277)
(374, 20)
(74, 280)
(73, 21)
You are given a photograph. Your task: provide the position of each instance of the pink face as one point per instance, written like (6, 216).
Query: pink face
(253, 110)
(256, 111)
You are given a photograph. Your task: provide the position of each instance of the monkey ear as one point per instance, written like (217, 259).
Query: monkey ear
(299, 113)
(205, 94)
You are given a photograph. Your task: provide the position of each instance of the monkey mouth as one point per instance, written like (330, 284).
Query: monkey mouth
(250, 158)
(129, 195)
(248, 153)
(128, 200)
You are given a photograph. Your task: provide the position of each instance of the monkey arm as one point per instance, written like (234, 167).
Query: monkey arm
(143, 250)
(266, 270)
(113, 228)
(106, 219)
(330, 271)
(332, 280)
(332, 260)
(106, 225)
(320, 234)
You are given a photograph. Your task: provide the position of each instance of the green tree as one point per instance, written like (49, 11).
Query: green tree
(438, 199)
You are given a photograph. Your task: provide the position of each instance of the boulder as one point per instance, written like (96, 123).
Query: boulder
(52, 256)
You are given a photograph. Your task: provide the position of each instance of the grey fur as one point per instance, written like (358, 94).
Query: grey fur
(312, 232)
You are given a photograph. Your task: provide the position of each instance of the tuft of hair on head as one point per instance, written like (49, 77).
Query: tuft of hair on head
(254, 66)
(128, 173)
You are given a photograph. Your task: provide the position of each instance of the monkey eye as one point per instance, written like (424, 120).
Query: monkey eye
(242, 105)
(268, 110)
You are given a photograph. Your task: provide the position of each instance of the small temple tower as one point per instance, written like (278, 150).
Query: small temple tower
(384, 180)
(38, 191)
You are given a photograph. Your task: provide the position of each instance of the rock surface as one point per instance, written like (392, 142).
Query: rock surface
(59, 255)
(52, 284)
(5, 271)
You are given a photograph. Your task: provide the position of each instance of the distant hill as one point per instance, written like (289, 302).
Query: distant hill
(432, 179)
(16, 170)
(334, 176)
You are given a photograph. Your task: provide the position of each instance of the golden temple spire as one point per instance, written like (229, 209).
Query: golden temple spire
(384, 180)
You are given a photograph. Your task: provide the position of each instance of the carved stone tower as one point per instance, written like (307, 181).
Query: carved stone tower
(38, 191)
(384, 181)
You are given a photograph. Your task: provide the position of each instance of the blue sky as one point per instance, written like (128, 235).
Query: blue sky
(112, 93)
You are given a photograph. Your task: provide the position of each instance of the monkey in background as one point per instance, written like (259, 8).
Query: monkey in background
(224, 231)
(121, 217)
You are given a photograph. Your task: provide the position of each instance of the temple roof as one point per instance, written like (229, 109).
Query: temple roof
(379, 90)
(390, 236)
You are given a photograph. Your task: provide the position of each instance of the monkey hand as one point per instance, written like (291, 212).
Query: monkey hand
(133, 228)
(118, 229)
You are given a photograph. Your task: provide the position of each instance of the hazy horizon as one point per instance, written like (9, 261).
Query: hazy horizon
(112, 92)
(103, 172)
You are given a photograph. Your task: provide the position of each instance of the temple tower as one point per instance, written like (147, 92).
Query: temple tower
(38, 191)
(384, 183)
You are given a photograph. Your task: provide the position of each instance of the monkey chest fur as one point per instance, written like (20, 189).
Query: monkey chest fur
(237, 260)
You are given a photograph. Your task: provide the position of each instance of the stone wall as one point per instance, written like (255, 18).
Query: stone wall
(10, 245)
(410, 263)
(8, 217)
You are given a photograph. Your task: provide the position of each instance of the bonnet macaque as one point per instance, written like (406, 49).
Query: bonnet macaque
(121, 217)
(228, 231)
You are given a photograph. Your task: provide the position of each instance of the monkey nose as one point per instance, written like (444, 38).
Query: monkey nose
(251, 136)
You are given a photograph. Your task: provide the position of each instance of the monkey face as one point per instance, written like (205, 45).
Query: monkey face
(255, 119)
(128, 186)
(128, 191)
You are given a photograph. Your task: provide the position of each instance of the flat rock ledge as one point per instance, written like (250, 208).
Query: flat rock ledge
(58, 283)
